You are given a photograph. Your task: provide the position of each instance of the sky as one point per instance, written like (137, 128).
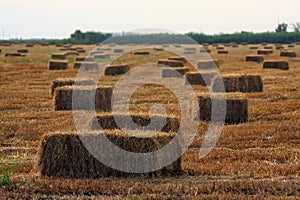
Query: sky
(60, 18)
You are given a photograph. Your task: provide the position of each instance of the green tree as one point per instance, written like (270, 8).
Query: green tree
(281, 28)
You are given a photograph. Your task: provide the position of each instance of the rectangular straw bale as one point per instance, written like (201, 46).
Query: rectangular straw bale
(59, 56)
(143, 53)
(22, 50)
(118, 50)
(85, 65)
(223, 52)
(254, 58)
(283, 65)
(264, 51)
(57, 64)
(63, 98)
(107, 121)
(175, 72)
(196, 78)
(208, 64)
(60, 82)
(14, 55)
(85, 59)
(291, 54)
(178, 58)
(64, 155)
(236, 109)
(170, 63)
(101, 56)
(113, 70)
(238, 83)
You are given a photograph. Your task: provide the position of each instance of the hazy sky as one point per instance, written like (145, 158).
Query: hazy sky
(59, 18)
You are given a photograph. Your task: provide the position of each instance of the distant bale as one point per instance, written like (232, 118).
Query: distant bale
(113, 70)
(158, 49)
(101, 56)
(244, 43)
(44, 44)
(64, 49)
(227, 45)
(177, 45)
(196, 78)
(297, 43)
(291, 54)
(291, 45)
(85, 65)
(143, 53)
(58, 45)
(63, 155)
(254, 58)
(57, 64)
(223, 52)
(174, 72)
(96, 52)
(22, 50)
(263, 44)
(238, 83)
(178, 58)
(107, 121)
(253, 47)
(103, 49)
(59, 56)
(60, 82)
(279, 47)
(208, 64)
(72, 53)
(236, 109)
(63, 98)
(0, 50)
(264, 51)
(29, 45)
(118, 50)
(189, 52)
(268, 47)
(205, 50)
(220, 47)
(190, 49)
(80, 50)
(283, 65)
(165, 45)
(85, 59)
(170, 63)
(14, 55)
(235, 46)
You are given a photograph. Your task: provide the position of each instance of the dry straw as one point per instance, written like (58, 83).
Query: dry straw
(102, 98)
(238, 83)
(63, 155)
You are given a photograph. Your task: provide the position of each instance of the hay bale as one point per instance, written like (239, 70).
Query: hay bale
(85, 59)
(44, 44)
(208, 64)
(177, 45)
(175, 72)
(178, 58)
(264, 51)
(279, 47)
(85, 65)
(22, 50)
(96, 52)
(0, 50)
(253, 47)
(113, 70)
(196, 78)
(14, 55)
(62, 56)
(268, 47)
(29, 45)
(297, 43)
(241, 83)
(103, 49)
(143, 53)
(220, 48)
(107, 121)
(58, 45)
(291, 54)
(60, 82)
(189, 52)
(236, 109)
(80, 50)
(254, 58)
(244, 43)
(65, 156)
(263, 44)
(227, 45)
(291, 45)
(118, 50)
(63, 98)
(101, 56)
(205, 50)
(64, 49)
(170, 63)
(72, 53)
(283, 65)
(57, 64)
(190, 49)
(235, 46)
(223, 52)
